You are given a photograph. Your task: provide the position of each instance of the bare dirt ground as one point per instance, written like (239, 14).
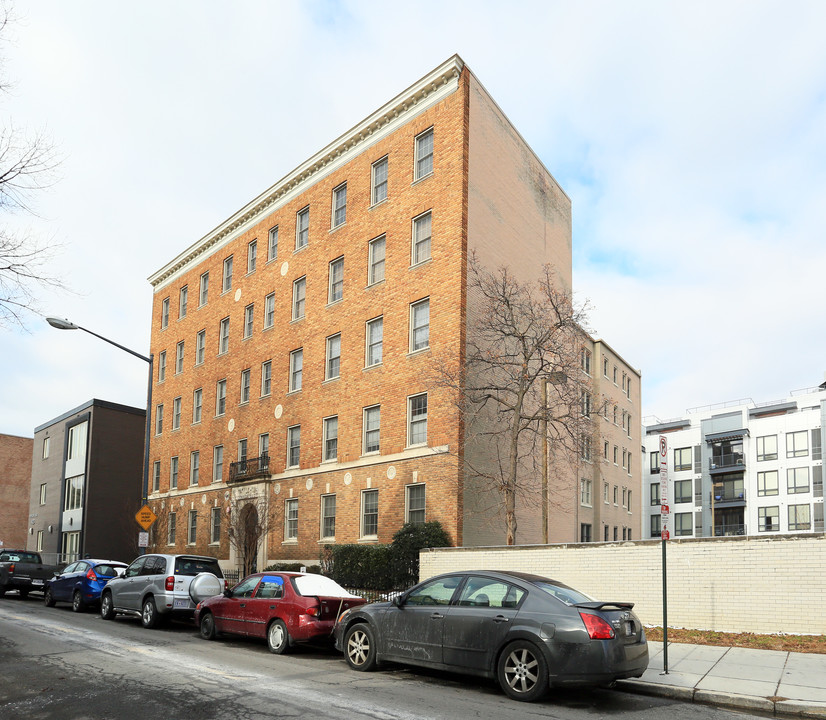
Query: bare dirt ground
(788, 643)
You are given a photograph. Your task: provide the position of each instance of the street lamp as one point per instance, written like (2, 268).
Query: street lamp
(67, 325)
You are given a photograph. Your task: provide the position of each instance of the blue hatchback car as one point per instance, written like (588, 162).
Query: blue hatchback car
(81, 583)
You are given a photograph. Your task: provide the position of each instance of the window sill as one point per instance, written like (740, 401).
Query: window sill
(373, 366)
(368, 540)
(299, 249)
(419, 264)
(372, 453)
(372, 285)
(378, 204)
(296, 320)
(293, 392)
(293, 541)
(417, 445)
(337, 227)
(422, 178)
(420, 351)
(327, 541)
(330, 380)
(334, 302)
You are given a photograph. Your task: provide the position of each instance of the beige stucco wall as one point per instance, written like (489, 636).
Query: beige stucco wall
(762, 585)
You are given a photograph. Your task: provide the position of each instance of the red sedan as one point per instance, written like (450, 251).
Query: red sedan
(283, 607)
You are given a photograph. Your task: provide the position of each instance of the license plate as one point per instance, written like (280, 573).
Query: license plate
(180, 603)
(629, 629)
(37, 582)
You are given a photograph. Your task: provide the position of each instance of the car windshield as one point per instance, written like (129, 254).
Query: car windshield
(105, 570)
(19, 557)
(320, 585)
(192, 566)
(563, 593)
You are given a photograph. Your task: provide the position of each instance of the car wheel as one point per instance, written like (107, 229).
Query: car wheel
(107, 608)
(48, 600)
(278, 638)
(77, 602)
(149, 614)
(522, 671)
(207, 626)
(360, 647)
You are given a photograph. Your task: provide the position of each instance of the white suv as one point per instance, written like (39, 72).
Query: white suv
(156, 587)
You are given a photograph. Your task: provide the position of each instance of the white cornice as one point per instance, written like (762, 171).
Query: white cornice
(420, 96)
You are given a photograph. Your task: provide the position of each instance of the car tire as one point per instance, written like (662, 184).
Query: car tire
(360, 647)
(149, 614)
(107, 608)
(522, 671)
(48, 600)
(77, 602)
(278, 638)
(207, 626)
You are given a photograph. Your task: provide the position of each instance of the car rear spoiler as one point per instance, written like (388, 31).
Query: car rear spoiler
(605, 605)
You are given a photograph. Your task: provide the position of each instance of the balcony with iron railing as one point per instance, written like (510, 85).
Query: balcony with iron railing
(730, 460)
(729, 530)
(249, 469)
(728, 494)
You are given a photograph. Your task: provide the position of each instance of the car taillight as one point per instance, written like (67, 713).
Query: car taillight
(90, 575)
(170, 583)
(598, 629)
(313, 610)
(11, 569)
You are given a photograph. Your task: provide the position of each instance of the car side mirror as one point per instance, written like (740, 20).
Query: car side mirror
(397, 600)
(227, 593)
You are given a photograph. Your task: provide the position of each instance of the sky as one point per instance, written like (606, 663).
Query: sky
(690, 137)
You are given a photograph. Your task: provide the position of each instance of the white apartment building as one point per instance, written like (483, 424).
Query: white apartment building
(739, 468)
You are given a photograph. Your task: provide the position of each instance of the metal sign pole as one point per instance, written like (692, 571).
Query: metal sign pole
(664, 535)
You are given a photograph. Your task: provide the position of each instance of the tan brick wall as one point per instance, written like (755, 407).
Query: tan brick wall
(761, 585)
(15, 481)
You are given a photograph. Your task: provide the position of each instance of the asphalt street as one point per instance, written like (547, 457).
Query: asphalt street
(58, 664)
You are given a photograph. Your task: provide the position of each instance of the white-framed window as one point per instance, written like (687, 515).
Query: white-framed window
(269, 311)
(768, 519)
(585, 404)
(379, 181)
(421, 238)
(296, 369)
(194, 467)
(294, 446)
(162, 366)
(263, 445)
(43, 489)
(249, 315)
(797, 444)
(420, 325)
(226, 278)
(156, 476)
(164, 313)
(424, 154)
(192, 527)
(245, 386)
(585, 492)
(176, 413)
(173, 473)
(335, 285)
(328, 517)
(767, 448)
(252, 256)
(372, 429)
(415, 503)
(200, 347)
(39, 547)
(302, 228)
(585, 361)
(159, 419)
(182, 301)
(272, 244)
(797, 480)
(179, 358)
(374, 335)
(218, 463)
(197, 405)
(242, 451)
(340, 205)
(332, 367)
(376, 251)
(203, 290)
(799, 517)
(291, 519)
(605, 367)
(73, 499)
(223, 336)
(330, 438)
(767, 483)
(214, 526)
(266, 378)
(220, 397)
(299, 297)
(369, 513)
(417, 419)
(172, 526)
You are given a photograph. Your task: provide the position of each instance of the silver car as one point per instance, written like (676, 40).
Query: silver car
(157, 587)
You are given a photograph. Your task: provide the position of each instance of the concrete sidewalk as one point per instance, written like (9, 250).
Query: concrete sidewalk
(785, 684)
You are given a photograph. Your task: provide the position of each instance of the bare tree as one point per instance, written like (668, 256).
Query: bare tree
(519, 383)
(250, 522)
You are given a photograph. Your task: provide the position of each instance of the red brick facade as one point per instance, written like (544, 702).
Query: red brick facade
(15, 481)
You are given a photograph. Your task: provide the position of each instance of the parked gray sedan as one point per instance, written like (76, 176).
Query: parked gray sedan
(527, 631)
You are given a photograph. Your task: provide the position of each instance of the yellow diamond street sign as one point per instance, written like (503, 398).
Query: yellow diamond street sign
(145, 517)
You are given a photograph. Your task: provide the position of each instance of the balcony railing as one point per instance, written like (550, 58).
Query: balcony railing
(726, 461)
(729, 530)
(250, 468)
(725, 494)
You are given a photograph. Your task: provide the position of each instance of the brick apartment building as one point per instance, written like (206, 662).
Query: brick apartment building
(295, 343)
(15, 478)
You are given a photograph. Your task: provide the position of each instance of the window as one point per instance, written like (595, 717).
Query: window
(223, 336)
(585, 448)
(605, 367)
(767, 448)
(218, 463)
(421, 238)
(264, 445)
(302, 228)
(585, 492)
(296, 368)
(616, 495)
(616, 455)
(372, 429)
(220, 398)
(328, 517)
(767, 483)
(585, 532)
(162, 366)
(197, 405)
(291, 519)
(252, 256)
(39, 546)
(171, 527)
(333, 364)
(226, 284)
(624, 497)
(164, 313)
(683, 491)
(654, 462)
(215, 525)
(336, 281)
(369, 513)
(682, 524)
(654, 494)
(194, 467)
(245, 386)
(299, 296)
(424, 154)
(682, 459)
(203, 291)
(182, 300)
(43, 487)
(294, 446)
(272, 244)
(266, 378)
(797, 444)
(340, 205)
(605, 493)
(417, 419)
(629, 507)
(156, 476)
(656, 526)
(159, 419)
(797, 480)
(173, 473)
(176, 413)
(605, 449)
(768, 519)
(242, 451)
(415, 503)
(200, 347)
(374, 336)
(330, 430)
(420, 325)
(269, 311)
(375, 272)
(249, 312)
(192, 527)
(585, 405)
(379, 181)
(615, 374)
(179, 358)
(799, 518)
(585, 361)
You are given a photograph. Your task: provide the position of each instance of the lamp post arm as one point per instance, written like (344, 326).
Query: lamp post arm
(117, 345)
